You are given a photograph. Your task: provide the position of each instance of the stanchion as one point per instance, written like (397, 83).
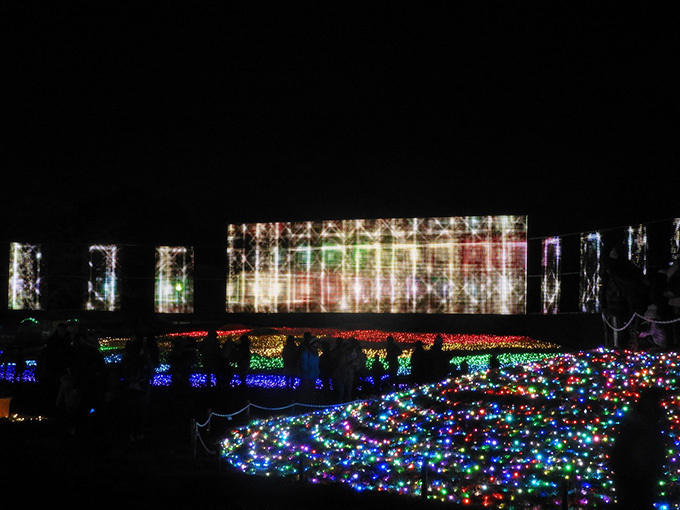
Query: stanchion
(301, 469)
(424, 480)
(194, 435)
(564, 493)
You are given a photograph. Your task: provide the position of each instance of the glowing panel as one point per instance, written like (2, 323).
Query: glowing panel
(415, 265)
(174, 279)
(24, 277)
(637, 246)
(102, 286)
(675, 240)
(551, 278)
(590, 281)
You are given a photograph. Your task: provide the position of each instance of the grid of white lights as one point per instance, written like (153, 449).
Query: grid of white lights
(398, 265)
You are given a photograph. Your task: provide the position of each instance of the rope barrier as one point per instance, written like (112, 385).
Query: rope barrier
(632, 318)
(196, 435)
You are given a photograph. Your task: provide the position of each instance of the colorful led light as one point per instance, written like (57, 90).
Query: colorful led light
(486, 438)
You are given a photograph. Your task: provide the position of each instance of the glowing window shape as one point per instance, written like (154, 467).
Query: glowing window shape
(636, 242)
(590, 279)
(174, 292)
(551, 278)
(675, 239)
(25, 267)
(102, 286)
(398, 265)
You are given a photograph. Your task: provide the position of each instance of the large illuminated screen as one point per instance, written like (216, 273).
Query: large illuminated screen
(410, 265)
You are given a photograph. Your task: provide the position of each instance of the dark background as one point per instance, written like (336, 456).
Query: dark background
(161, 123)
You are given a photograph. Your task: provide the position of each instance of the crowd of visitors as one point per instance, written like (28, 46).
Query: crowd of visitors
(342, 366)
(641, 310)
(82, 390)
(77, 382)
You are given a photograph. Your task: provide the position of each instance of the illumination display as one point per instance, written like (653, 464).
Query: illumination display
(590, 279)
(266, 362)
(637, 246)
(675, 240)
(494, 439)
(415, 265)
(174, 279)
(25, 264)
(551, 263)
(102, 285)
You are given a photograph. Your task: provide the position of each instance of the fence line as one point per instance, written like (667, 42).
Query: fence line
(196, 426)
(632, 318)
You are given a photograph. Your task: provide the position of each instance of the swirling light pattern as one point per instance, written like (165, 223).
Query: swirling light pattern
(490, 438)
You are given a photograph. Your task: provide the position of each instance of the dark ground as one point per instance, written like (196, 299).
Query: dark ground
(102, 468)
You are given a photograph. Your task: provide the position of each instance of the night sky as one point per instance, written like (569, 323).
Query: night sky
(164, 122)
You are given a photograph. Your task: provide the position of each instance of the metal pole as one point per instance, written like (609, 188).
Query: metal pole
(424, 480)
(194, 432)
(565, 495)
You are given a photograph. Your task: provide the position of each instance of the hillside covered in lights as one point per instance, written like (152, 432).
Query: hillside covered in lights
(489, 438)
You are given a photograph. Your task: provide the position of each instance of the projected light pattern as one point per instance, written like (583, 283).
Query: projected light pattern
(102, 285)
(551, 263)
(174, 279)
(590, 279)
(492, 438)
(25, 265)
(416, 265)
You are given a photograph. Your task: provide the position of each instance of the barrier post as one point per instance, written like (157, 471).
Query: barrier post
(194, 432)
(424, 480)
(564, 490)
(301, 469)
(219, 456)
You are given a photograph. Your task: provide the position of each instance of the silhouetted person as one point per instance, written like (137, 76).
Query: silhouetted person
(438, 360)
(342, 373)
(377, 372)
(291, 361)
(53, 363)
(625, 294)
(210, 354)
(494, 362)
(150, 346)
(392, 358)
(182, 358)
(90, 379)
(243, 358)
(327, 362)
(653, 334)
(418, 364)
(309, 367)
(358, 365)
(136, 372)
(638, 455)
(227, 355)
(669, 300)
